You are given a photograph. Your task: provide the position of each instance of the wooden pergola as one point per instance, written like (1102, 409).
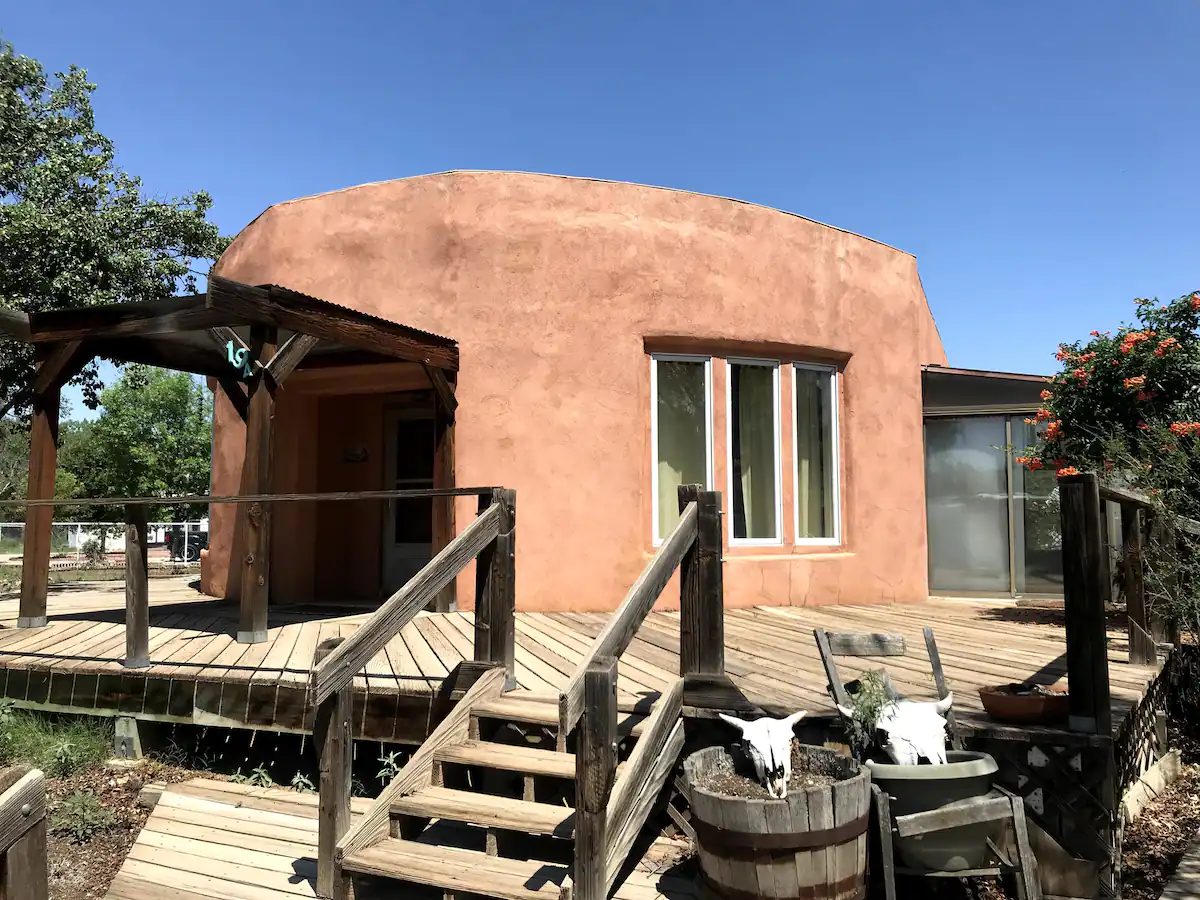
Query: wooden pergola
(270, 331)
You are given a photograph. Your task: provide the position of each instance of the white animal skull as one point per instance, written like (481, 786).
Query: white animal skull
(769, 743)
(913, 729)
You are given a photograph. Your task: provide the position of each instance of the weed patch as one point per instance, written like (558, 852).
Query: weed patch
(82, 816)
(59, 746)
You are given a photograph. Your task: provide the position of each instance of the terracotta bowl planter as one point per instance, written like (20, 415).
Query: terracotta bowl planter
(1047, 706)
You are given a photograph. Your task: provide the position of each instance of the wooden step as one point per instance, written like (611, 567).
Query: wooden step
(533, 712)
(487, 810)
(464, 871)
(509, 758)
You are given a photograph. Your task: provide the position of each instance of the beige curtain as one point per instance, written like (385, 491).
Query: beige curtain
(814, 452)
(753, 406)
(682, 435)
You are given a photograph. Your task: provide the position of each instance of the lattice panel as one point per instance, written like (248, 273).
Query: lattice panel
(1068, 792)
(1136, 747)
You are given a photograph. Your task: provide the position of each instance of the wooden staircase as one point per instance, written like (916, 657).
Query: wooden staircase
(482, 815)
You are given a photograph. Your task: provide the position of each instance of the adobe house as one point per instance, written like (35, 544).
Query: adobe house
(615, 341)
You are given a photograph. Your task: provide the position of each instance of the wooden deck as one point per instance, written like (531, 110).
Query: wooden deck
(212, 839)
(200, 674)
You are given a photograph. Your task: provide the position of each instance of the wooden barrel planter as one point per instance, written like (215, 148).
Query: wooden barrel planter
(811, 845)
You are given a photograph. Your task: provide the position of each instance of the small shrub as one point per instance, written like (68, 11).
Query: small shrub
(868, 701)
(302, 783)
(238, 778)
(81, 817)
(260, 777)
(389, 767)
(92, 552)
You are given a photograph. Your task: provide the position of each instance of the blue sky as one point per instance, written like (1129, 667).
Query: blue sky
(1042, 161)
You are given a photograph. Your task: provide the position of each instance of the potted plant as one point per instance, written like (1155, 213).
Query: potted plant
(1026, 704)
(892, 735)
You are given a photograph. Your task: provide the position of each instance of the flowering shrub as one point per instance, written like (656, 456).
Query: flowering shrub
(1127, 406)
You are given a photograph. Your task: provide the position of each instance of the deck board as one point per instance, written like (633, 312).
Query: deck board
(210, 840)
(770, 654)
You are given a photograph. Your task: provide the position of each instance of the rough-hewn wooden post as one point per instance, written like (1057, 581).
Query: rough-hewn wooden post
(1142, 648)
(255, 517)
(332, 738)
(595, 769)
(1084, 593)
(443, 507)
(137, 589)
(39, 520)
(702, 619)
(495, 582)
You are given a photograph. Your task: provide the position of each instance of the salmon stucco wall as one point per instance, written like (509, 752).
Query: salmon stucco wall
(556, 290)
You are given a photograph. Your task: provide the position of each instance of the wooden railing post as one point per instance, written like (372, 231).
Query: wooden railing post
(595, 771)
(39, 520)
(137, 589)
(1142, 648)
(495, 581)
(23, 870)
(702, 620)
(332, 738)
(1084, 594)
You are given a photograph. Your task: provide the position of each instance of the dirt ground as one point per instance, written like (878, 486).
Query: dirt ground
(84, 871)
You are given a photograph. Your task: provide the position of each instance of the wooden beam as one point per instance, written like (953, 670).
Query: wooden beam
(595, 770)
(443, 388)
(701, 592)
(343, 664)
(332, 738)
(289, 309)
(290, 355)
(117, 320)
(165, 352)
(244, 498)
(954, 815)
(939, 681)
(443, 507)
(236, 393)
(14, 324)
(63, 364)
(43, 461)
(255, 518)
(861, 643)
(137, 590)
(1084, 593)
(623, 624)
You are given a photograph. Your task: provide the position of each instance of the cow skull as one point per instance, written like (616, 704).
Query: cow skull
(769, 743)
(913, 729)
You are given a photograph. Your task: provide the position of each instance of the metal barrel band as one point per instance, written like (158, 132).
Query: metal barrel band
(719, 840)
(853, 887)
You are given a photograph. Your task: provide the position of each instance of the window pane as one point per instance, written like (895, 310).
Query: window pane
(682, 410)
(966, 496)
(1039, 543)
(814, 453)
(752, 427)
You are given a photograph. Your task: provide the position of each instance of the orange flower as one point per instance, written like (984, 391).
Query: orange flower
(1182, 428)
(1054, 430)
(1195, 301)
(1042, 415)
(1031, 421)
(1046, 395)
(1142, 426)
(1033, 464)
(1095, 334)
(1143, 396)
(1067, 470)
(1081, 374)
(1135, 382)
(1165, 346)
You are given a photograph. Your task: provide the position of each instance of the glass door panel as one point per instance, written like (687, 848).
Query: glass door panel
(1037, 540)
(966, 490)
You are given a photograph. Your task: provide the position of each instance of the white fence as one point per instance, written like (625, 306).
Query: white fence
(181, 541)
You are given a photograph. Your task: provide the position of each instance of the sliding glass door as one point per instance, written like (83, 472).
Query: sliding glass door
(992, 525)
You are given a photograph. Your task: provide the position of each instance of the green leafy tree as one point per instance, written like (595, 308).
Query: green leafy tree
(75, 230)
(153, 438)
(1127, 405)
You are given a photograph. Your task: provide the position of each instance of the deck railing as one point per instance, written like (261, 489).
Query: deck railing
(609, 810)
(490, 541)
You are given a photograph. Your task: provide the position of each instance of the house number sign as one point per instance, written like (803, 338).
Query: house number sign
(239, 358)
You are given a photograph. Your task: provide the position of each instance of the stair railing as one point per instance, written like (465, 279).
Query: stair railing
(609, 811)
(489, 539)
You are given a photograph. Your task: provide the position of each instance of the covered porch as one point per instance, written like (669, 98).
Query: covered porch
(369, 406)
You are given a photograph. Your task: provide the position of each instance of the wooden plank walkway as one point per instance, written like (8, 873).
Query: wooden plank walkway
(213, 840)
(200, 674)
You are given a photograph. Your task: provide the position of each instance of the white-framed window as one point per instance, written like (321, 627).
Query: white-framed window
(815, 452)
(680, 432)
(755, 477)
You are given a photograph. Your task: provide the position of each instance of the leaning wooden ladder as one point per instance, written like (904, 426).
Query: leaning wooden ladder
(1000, 804)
